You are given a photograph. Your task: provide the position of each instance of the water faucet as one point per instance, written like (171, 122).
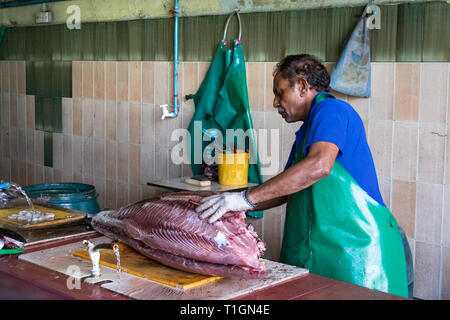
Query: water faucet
(166, 112)
(94, 254)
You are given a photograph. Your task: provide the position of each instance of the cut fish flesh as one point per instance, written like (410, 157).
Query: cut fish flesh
(168, 230)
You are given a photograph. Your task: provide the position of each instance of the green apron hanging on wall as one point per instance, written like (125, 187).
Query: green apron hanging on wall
(221, 102)
(2, 35)
(335, 229)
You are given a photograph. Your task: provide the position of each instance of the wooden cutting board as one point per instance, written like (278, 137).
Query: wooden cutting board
(134, 263)
(61, 216)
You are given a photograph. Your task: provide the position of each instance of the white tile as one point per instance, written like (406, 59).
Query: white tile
(122, 122)
(429, 212)
(433, 92)
(88, 117)
(21, 111)
(88, 156)
(13, 143)
(67, 153)
(380, 142)
(431, 152)
(405, 155)
(67, 115)
(77, 147)
(58, 151)
(22, 145)
(99, 158)
(39, 148)
(382, 95)
(426, 271)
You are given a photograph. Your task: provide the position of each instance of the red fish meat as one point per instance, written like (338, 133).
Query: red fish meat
(168, 230)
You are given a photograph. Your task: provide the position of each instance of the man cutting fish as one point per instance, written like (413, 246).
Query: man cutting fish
(336, 222)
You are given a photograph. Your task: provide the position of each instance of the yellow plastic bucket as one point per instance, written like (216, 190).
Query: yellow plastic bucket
(233, 168)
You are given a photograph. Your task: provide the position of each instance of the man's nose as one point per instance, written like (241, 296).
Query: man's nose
(276, 102)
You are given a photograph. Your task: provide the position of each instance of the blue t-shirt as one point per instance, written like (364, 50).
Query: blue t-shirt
(333, 120)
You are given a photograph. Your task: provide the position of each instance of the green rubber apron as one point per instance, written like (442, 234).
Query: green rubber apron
(335, 229)
(222, 103)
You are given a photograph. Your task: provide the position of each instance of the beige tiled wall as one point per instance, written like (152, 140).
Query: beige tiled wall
(113, 137)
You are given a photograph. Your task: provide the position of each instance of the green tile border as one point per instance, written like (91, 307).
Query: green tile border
(407, 33)
(48, 149)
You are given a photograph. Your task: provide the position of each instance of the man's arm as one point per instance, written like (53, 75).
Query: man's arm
(269, 204)
(317, 165)
(314, 167)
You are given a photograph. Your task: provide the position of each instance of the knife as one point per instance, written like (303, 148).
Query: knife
(11, 242)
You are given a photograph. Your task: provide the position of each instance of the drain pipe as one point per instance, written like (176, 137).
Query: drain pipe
(165, 107)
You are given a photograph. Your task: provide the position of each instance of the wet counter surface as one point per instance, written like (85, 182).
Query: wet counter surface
(23, 280)
(178, 184)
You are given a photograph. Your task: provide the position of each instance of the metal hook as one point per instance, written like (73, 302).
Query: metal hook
(236, 11)
(366, 14)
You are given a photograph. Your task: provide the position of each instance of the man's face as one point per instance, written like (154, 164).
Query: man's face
(288, 100)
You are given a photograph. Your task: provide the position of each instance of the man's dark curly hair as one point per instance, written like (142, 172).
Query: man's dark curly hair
(294, 67)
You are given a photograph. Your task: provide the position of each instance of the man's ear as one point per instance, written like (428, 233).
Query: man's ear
(303, 86)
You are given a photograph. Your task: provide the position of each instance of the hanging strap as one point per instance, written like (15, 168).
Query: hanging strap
(228, 21)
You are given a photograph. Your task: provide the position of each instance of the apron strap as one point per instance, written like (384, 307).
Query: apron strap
(228, 21)
(319, 98)
(322, 96)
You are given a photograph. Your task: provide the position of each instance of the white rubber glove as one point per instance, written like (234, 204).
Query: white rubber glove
(217, 205)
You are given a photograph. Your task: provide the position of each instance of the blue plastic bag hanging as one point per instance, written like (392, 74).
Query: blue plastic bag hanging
(352, 73)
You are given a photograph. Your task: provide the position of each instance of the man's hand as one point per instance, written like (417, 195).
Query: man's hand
(216, 206)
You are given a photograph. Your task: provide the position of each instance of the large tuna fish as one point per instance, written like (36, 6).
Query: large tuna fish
(168, 230)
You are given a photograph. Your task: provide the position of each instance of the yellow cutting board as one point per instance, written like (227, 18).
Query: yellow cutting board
(134, 263)
(61, 216)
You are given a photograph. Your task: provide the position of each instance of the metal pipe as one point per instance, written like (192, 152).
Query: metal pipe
(165, 107)
(175, 65)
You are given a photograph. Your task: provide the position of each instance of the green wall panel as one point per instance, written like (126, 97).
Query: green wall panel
(48, 114)
(55, 36)
(299, 37)
(109, 32)
(340, 24)
(49, 78)
(383, 41)
(436, 41)
(122, 41)
(189, 45)
(87, 41)
(410, 33)
(39, 113)
(48, 149)
(252, 26)
(135, 40)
